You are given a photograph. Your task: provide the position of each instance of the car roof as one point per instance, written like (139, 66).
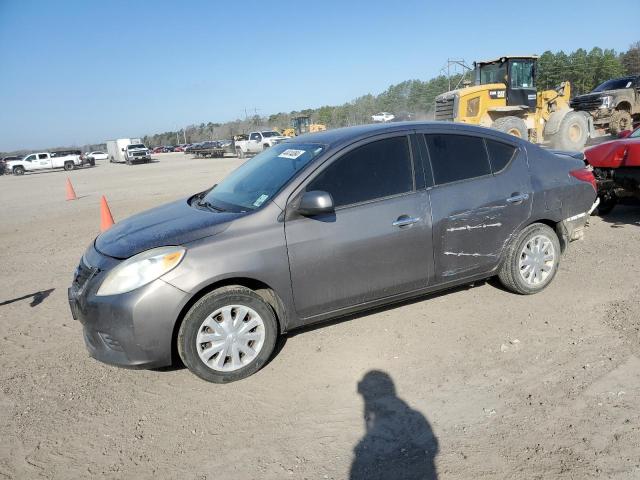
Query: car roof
(343, 135)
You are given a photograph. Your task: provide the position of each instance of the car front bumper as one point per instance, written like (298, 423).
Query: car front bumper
(134, 329)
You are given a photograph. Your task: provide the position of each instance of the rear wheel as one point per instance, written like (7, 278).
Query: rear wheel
(512, 125)
(531, 261)
(68, 166)
(573, 132)
(227, 335)
(620, 121)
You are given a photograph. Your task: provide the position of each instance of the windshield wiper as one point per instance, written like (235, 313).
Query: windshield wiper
(210, 206)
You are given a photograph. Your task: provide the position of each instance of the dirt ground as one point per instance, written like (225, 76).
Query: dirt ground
(471, 383)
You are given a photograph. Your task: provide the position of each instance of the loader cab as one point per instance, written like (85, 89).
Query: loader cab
(518, 74)
(301, 124)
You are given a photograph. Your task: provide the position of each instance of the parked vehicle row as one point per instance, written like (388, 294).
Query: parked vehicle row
(322, 226)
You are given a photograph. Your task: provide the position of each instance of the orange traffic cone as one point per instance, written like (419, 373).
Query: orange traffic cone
(71, 193)
(106, 219)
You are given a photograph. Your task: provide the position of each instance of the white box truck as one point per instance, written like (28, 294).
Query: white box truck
(127, 150)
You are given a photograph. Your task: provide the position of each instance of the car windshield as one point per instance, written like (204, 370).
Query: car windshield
(615, 84)
(493, 73)
(136, 145)
(270, 134)
(259, 179)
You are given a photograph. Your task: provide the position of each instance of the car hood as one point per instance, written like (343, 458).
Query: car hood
(175, 223)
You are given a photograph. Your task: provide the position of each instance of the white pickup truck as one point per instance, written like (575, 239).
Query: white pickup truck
(257, 142)
(47, 161)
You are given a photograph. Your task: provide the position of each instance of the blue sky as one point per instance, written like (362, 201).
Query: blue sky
(75, 72)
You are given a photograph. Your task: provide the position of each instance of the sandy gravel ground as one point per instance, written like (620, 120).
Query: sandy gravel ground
(472, 383)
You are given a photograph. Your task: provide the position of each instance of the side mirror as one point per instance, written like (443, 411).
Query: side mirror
(123, 149)
(315, 203)
(624, 134)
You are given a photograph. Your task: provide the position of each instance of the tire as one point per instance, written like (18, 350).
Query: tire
(239, 153)
(572, 134)
(68, 166)
(264, 147)
(620, 121)
(512, 273)
(19, 170)
(92, 162)
(193, 326)
(512, 125)
(110, 159)
(607, 203)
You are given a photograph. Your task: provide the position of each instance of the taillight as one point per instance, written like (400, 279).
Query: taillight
(585, 175)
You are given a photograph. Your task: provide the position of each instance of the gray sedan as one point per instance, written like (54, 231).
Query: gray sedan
(321, 226)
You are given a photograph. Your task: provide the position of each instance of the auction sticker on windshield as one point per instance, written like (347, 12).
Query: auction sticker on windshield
(260, 200)
(291, 153)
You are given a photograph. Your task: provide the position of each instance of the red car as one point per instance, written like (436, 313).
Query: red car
(616, 166)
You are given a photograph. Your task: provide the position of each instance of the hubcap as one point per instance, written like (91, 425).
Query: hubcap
(537, 260)
(230, 338)
(575, 132)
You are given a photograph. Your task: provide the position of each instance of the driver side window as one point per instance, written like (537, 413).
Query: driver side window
(255, 136)
(30, 158)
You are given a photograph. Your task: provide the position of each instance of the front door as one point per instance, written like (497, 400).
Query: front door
(482, 195)
(377, 243)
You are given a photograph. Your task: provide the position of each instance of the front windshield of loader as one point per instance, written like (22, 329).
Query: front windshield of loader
(522, 74)
(493, 73)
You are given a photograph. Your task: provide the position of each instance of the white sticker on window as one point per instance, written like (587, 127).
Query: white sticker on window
(291, 153)
(260, 200)
(628, 85)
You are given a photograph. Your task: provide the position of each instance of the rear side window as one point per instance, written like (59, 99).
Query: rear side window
(375, 170)
(457, 157)
(500, 154)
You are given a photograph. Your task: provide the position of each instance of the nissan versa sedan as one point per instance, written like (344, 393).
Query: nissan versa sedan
(321, 226)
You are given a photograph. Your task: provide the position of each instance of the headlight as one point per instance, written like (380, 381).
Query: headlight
(473, 106)
(606, 101)
(140, 270)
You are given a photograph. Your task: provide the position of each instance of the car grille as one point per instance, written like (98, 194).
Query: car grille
(83, 274)
(586, 102)
(445, 108)
(139, 154)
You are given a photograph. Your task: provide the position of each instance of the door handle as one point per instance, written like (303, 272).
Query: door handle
(518, 198)
(404, 221)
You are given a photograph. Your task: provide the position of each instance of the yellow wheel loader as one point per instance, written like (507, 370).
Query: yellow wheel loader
(302, 124)
(504, 97)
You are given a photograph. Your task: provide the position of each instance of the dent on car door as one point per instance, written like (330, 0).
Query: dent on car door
(376, 244)
(477, 204)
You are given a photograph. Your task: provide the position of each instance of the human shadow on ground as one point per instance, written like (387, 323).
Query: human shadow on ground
(37, 298)
(399, 442)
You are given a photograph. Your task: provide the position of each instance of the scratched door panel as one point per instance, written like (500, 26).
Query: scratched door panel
(473, 221)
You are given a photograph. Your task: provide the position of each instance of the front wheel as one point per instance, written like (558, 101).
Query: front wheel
(531, 261)
(239, 153)
(227, 335)
(19, 170)
(620, 121)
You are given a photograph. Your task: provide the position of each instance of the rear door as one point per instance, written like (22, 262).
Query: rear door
(377, 243)
(481, 196)
(44, 161)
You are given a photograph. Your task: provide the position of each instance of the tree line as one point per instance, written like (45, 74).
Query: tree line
(415, 98)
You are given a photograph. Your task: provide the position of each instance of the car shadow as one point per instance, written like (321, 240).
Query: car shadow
(626, 213)
(36, 298)
(399, 441)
